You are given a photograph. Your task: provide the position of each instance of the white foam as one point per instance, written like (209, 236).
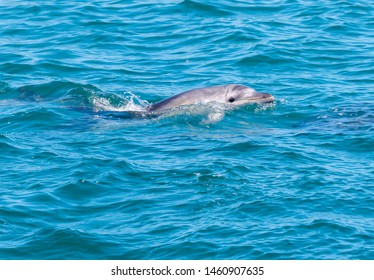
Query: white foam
(214, 118)
(128, 103)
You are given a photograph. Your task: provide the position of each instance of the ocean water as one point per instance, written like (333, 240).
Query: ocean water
(80, 178)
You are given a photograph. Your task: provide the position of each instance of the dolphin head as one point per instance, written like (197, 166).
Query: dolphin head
(238, 95)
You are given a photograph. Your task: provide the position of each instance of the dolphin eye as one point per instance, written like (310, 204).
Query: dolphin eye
(232, 99)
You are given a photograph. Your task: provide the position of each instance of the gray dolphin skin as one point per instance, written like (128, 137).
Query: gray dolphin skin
(232, 95)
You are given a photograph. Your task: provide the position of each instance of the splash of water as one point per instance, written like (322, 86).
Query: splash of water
(117, 103)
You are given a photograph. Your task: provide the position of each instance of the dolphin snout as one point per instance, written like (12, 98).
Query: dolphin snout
(265, 97)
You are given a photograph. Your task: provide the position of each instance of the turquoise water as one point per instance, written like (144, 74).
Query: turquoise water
(82, 179)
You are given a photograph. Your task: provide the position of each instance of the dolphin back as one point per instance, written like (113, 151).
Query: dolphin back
(187, 98)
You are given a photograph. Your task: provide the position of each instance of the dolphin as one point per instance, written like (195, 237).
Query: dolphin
(233, 95)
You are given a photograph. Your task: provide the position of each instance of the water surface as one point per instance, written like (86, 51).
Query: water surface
(81, 179)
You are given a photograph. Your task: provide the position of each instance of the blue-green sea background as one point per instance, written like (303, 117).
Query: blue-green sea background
(81, 180)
